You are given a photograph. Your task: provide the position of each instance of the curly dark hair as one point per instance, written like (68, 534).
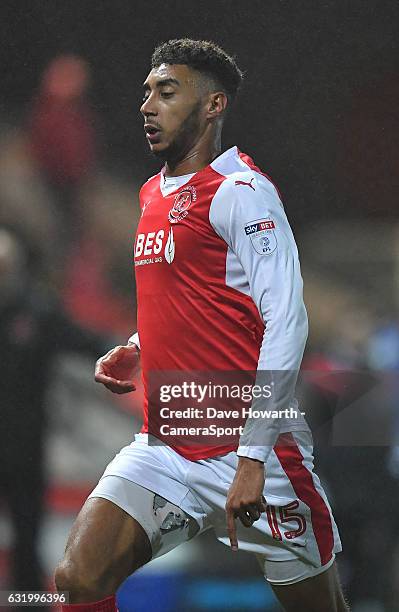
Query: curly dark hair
(204, 56)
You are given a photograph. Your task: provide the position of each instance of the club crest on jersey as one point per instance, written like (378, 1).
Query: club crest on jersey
(261, 233)
(182, 203)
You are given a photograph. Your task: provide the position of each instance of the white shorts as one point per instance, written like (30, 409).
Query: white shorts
(175, 499)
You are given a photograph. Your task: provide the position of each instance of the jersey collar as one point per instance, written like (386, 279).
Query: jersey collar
(170, 184)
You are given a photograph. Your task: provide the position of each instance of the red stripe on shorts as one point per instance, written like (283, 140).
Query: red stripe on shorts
(301, 479)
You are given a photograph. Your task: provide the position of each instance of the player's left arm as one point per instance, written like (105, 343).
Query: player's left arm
(253, 223)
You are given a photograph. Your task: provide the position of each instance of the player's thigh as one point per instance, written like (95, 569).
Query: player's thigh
(165, 524)
(320, 593)
(105, 543)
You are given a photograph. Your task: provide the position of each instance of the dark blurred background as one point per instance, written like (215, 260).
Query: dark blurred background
(319, 113)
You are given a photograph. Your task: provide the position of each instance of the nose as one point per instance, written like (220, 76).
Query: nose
(148, 109)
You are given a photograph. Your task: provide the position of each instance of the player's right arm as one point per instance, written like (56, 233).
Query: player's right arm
(116, 369)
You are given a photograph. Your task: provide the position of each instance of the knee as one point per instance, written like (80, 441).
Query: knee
(82, 584)
(68, 578)
(62, 577)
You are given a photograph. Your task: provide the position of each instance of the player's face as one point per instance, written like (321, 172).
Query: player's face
(174, 110)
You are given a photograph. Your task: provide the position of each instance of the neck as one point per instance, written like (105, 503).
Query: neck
(200, 155)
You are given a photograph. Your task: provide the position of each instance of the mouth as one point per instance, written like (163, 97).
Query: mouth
(152, 133)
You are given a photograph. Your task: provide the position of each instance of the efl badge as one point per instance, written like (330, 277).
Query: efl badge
(262, 235)
(182, 203)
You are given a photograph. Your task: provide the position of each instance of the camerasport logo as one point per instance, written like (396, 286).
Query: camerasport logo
(182, 203)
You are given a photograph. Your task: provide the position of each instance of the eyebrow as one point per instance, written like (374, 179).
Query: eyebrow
(162, 83)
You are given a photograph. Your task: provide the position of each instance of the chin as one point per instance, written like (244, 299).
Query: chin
(160, 151)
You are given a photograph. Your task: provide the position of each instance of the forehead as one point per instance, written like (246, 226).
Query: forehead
(184, 75)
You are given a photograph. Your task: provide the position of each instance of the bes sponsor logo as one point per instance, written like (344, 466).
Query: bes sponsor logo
(149, 244)
(154, 247)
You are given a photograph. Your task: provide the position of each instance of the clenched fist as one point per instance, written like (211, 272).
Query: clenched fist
(116, 369)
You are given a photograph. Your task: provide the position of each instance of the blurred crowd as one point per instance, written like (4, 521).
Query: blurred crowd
(77, 218)
(67, 228)
(66, 285)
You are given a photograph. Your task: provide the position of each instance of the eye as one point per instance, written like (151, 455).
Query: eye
(145, 97)
(167, 94)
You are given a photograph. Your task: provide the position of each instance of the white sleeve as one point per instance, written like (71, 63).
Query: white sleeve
(252, 221)
(134, 339)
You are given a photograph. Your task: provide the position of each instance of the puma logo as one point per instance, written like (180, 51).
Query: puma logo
(245, 183)
(144, 207)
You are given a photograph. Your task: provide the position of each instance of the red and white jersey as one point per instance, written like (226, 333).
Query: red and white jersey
(218, 283)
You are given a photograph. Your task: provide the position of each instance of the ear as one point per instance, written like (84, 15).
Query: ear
(217, 104)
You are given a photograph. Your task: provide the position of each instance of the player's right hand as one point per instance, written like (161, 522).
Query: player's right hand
(116, 369)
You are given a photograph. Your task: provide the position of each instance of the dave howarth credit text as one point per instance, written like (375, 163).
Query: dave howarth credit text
(209, 402)
(216, 413)
(174, 429)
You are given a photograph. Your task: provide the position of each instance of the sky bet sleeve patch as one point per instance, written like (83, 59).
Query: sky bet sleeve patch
(261, 233)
